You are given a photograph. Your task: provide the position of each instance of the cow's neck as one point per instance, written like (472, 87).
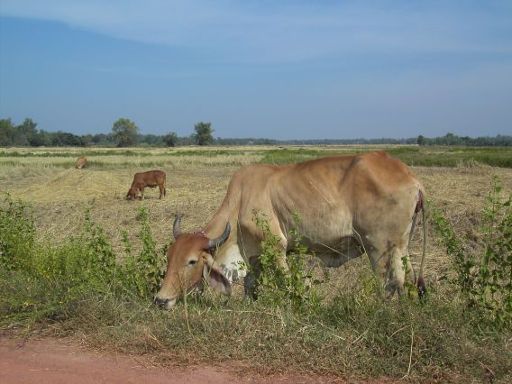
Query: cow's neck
(228, 255)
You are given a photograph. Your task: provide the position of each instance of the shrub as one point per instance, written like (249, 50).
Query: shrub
(17, 232)
(141, 274)
(484, 270)
(276, 286)
(45, 281)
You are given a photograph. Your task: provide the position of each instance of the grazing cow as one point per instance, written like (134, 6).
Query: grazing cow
(81, 162)
(346, 205)
(146, 179)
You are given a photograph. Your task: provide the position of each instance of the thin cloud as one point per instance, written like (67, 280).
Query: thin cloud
(248, 31)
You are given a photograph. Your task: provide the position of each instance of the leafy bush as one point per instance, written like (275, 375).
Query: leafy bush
(55, 278)
(142, 274)
(17, 233)
(484, 270)
(277, 286)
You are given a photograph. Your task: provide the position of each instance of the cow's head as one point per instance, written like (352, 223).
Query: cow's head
(189, 261)
(132, 193)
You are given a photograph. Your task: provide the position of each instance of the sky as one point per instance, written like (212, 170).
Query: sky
(279, 69)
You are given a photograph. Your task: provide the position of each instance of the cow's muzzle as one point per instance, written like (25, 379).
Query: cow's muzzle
(164, 303)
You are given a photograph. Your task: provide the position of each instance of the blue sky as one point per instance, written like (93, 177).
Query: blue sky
(279, 69)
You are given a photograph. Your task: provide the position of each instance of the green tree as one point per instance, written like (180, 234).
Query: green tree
(86, 140)
(421, 140)
(6, 132)
(204, 133)
(28, 129)
(43, 138)
(124, 132)
(171, 139)
(451, 139)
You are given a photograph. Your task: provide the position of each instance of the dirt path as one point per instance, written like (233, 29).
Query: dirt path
(56, 361)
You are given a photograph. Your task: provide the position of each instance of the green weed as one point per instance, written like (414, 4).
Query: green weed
(484, 270)
(293, 287)
(17, 235)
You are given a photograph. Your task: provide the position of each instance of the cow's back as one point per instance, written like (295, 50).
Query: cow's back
(154, 177)
(326, 197)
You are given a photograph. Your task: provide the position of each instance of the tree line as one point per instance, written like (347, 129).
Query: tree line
(125, 133)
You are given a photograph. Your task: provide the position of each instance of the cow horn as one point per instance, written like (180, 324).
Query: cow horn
(214, 243)
(176, 231)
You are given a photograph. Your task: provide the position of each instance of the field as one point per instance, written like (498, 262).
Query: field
(353, 335)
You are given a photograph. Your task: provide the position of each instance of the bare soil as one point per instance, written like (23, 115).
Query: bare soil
(58, 361)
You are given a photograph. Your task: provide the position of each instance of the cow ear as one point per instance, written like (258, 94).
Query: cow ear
(216, 279)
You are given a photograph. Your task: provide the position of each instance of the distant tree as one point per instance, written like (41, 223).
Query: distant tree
(65, 139)
(102, 139)
(44, 138)
(124, 132)
(186, 140)
(421, 140)
(204, 133)
(151, 140)
(86, 140)
(450, 139)
(7, 132)
(28, 130)
(171, 139)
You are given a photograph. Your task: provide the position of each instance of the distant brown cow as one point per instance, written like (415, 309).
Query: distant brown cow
(146, 179)
(81, 162)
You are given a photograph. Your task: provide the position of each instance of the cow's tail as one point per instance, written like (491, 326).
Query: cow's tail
(420, 206)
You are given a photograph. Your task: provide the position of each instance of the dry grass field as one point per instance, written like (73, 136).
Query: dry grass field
(196, 184)
(197, 179)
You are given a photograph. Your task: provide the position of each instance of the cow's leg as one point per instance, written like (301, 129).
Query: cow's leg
(162, 190)
(391, 264)
(252, 277)
(142, 193)
(282, 247)
(397, 272)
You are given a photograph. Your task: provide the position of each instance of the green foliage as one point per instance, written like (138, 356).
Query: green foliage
(6, 132)
(280, 287)
(286, 156)
(203, 133)
(98, 248)
(60, 277)
(17, 233)
(484, 270)
(171, 139)
(124, 132)
(142, 273)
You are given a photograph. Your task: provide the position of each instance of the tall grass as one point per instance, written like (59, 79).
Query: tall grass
(83, 287)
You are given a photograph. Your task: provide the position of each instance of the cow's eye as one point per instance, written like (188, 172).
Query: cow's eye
(192, 262)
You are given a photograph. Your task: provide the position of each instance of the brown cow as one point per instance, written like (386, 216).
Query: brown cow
(146, 179)
(81, 162)
(346, 205)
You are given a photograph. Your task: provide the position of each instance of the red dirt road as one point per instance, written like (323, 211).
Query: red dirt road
(56, 361)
